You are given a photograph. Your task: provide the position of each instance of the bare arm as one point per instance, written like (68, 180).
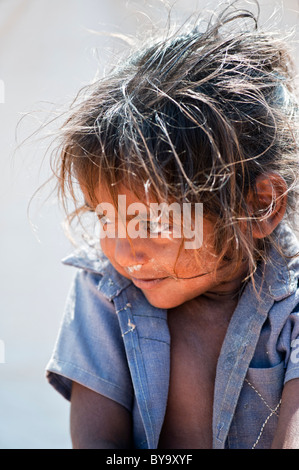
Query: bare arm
(98, 422)
(287, 434)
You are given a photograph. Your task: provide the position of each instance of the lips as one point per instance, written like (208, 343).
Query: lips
(147, 283)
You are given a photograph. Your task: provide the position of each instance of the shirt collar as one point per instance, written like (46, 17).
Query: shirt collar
(111, 283)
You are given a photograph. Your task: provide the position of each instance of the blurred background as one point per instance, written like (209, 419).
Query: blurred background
(49, 49)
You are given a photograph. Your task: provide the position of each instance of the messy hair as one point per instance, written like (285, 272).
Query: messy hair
(195, 116)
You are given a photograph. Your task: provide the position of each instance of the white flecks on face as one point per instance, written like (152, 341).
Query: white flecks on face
(131, 269)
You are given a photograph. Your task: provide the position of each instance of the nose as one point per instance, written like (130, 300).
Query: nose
(127, 253)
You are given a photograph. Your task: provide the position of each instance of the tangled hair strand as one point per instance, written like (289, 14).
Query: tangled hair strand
(195, 116)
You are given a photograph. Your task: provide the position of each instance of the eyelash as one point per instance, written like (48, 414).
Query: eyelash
(149, 227)
(164, 226)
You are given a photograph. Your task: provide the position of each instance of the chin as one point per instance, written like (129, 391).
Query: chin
(161, 303)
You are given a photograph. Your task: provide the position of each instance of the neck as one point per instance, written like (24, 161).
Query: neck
(229, 290)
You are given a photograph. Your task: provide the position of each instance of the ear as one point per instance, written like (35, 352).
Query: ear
(267, 204)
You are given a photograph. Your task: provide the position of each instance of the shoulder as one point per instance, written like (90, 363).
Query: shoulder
(279, 300)
(282, 280)
(90, 338)
(281, 270)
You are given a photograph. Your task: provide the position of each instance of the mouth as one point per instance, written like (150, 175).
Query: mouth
(147, 283)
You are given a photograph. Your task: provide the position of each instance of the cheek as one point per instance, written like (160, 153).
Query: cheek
(192, 262)
(108, 247)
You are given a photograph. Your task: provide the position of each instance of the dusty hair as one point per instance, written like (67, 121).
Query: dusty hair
(195, 117)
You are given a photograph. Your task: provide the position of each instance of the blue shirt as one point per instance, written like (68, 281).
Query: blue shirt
(114, 342)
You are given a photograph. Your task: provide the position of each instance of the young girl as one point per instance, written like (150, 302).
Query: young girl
(166, 344)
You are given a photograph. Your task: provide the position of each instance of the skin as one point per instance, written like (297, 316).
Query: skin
(98, 422)
(185, 280)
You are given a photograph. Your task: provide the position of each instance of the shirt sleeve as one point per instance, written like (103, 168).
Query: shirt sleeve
(89, 348)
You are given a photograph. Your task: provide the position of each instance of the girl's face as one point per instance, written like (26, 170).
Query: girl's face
(167, 273)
